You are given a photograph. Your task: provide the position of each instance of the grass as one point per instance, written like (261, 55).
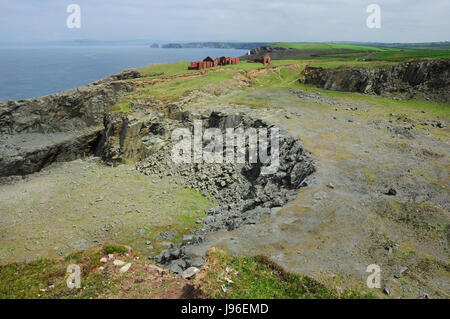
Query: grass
(384, 106)
(165, 69)
(179, 68)
(231, 277)
(112, 248)
(325, 46)
(180, 86)
(46, 278)
(253, 277)
(363, 56)
(172, 91)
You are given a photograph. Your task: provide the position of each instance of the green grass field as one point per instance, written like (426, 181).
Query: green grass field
(364, 56)
(354, 56)
(325, 46)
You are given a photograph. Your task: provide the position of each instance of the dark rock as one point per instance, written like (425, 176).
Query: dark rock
(177, 266)
(391, 192)
(429, 77)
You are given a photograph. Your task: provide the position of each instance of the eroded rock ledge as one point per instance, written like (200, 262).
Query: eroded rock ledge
(427, 79)
(64, 126)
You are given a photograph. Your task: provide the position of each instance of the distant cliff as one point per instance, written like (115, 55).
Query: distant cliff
(215, 45)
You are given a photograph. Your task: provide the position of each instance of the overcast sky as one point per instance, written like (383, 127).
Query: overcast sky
(226, 20)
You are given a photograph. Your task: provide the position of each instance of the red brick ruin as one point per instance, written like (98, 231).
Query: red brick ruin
(265, 60)
(208, 62)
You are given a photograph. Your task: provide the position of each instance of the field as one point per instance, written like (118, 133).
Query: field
(363, 56)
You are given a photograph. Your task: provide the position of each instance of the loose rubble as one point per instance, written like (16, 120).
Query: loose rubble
(242, 193)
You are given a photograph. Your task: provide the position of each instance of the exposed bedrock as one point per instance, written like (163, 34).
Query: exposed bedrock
(70, 110)
(131, 138)
(28, 153)
(429, 79)
(64, 126)
(243, 194)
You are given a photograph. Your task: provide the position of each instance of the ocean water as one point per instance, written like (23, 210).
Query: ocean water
(36, 71)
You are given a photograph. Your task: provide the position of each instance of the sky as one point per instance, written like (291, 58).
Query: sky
(225, 20)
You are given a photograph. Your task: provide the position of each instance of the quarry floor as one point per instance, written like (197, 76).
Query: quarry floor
(339, 224)
(344, 221)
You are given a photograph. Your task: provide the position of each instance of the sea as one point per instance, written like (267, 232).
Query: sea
(27, 72)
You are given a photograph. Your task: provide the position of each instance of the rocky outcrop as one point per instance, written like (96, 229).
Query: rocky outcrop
(27, 153)
(130, 138)
(70, 110)
(430, 79)
(63, 126)
(242, 192)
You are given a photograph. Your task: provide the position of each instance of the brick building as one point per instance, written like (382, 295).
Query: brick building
(209, 62)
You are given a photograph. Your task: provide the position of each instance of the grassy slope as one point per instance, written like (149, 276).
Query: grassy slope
(231, 277)
(364, 56)
(325, 46)
(252, 277)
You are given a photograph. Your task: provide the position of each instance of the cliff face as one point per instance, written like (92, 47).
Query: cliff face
(431, 79)
(66, 111)
(63, 126)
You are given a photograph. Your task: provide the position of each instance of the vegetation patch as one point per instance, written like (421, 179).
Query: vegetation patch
(111, 249)
(47, 278)
(228, 276)
(423, 217)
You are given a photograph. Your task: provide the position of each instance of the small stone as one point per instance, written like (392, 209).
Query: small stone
(154, 267)
(187, 239)
(190, 272)
(330, 185)
(399, 273)
(125, 268)
(111, 256)
(386, 291)
(118, 263)
(104, 260)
